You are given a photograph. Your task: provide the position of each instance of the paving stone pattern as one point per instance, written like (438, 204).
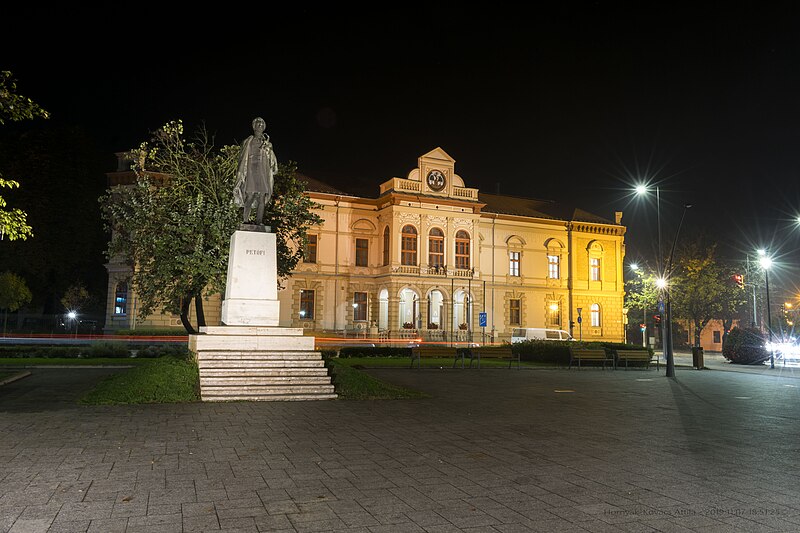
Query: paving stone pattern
(493, 450)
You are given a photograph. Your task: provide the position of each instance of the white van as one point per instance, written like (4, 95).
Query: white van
(540, 334)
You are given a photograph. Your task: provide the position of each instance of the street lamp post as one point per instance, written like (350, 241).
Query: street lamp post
(766, 263)
(641, 190)
(666, 338)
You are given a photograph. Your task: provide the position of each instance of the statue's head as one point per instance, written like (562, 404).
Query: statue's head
(259, 125)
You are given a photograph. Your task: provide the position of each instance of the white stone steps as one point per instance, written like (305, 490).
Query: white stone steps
(267, 389)
(260, 364)
(258, 355)
(268, 397)
(283, 371)
(263, 381)
(274, 363)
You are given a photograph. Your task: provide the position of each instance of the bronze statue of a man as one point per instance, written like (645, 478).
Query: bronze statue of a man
(255, 175)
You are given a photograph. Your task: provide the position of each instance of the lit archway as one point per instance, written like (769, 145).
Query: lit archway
(409, 308)
(383, 309)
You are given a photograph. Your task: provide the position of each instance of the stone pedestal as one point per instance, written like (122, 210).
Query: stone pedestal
(249, 358)
(251, 292)
(259, 363)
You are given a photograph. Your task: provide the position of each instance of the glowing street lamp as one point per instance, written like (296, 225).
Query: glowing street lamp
(72, 315)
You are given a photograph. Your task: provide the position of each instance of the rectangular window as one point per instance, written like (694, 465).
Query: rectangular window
(408, 248)
(362, 252)
(386, 246)
(513, 263)
(436, 252)
(359, 306)
(514, 312)
(717, 337)
(553, 267)
(310, 253)
(306, 305)
(594, 264)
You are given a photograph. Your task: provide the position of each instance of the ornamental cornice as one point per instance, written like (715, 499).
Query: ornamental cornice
(597, 229)
(407, 218)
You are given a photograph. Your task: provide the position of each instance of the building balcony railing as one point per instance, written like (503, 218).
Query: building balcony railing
(442, 272)
(404, 185)
(406, 269)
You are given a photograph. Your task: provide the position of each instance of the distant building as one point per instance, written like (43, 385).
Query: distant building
(710, 337)
(428, 255)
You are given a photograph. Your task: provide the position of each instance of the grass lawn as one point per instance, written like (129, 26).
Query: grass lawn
(26, 361)
(352, 384)
(6, 374)
(432, 362)
(162, 380)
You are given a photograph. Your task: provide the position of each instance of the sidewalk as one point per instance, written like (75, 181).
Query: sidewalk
(715, 361)
(492, 450)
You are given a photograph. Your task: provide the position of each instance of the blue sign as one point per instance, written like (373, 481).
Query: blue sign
(482, 320)
(660, 307)
(580, 319)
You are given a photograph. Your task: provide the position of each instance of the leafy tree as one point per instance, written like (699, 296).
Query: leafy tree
(14, 107)
(75, 297)
(641, 294)
(698, 286)
(173, 226)
(733, 300)
(14, 294)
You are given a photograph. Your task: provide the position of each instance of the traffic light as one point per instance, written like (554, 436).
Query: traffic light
(643, 327)
(739, 280)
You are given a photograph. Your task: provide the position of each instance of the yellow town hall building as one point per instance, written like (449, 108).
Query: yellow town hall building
(429, 255)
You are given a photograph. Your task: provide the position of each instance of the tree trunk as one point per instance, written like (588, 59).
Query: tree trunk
(185, 302)
(198, 309)
(698, 328)
(726, 327)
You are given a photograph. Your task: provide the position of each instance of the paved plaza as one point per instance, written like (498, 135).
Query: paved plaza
(490, 450)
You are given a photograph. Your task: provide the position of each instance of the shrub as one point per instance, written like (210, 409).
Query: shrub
(106, 349)
(374, 351)
(41, 351)
(153, 332)
(745, 346)
(557, 352)
(178, 351)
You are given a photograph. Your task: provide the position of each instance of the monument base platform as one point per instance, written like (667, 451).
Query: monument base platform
(243, 312)
(260, 364)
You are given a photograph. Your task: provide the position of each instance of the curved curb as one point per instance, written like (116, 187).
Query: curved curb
(14, 378)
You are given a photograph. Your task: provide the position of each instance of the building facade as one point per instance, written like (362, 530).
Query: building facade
(430, 257)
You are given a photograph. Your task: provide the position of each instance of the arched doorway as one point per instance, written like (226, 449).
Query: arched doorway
(436, 310)
(462, 310)
(409, 309)
(383, 309)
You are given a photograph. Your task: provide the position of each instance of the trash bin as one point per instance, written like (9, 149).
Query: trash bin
(697, 357)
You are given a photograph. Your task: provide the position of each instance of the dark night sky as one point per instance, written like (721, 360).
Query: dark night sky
(571, 101)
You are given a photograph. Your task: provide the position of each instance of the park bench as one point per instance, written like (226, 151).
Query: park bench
(576, 355)
(635, 355)
(434, 351)
(493, 352)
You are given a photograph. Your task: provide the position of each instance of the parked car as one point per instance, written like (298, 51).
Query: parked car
(541, 334)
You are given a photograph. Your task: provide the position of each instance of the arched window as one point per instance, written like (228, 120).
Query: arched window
(408, 248)
(386, 246)
(462, 250)
(436, 248)
(121, 299)
(595, 315)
